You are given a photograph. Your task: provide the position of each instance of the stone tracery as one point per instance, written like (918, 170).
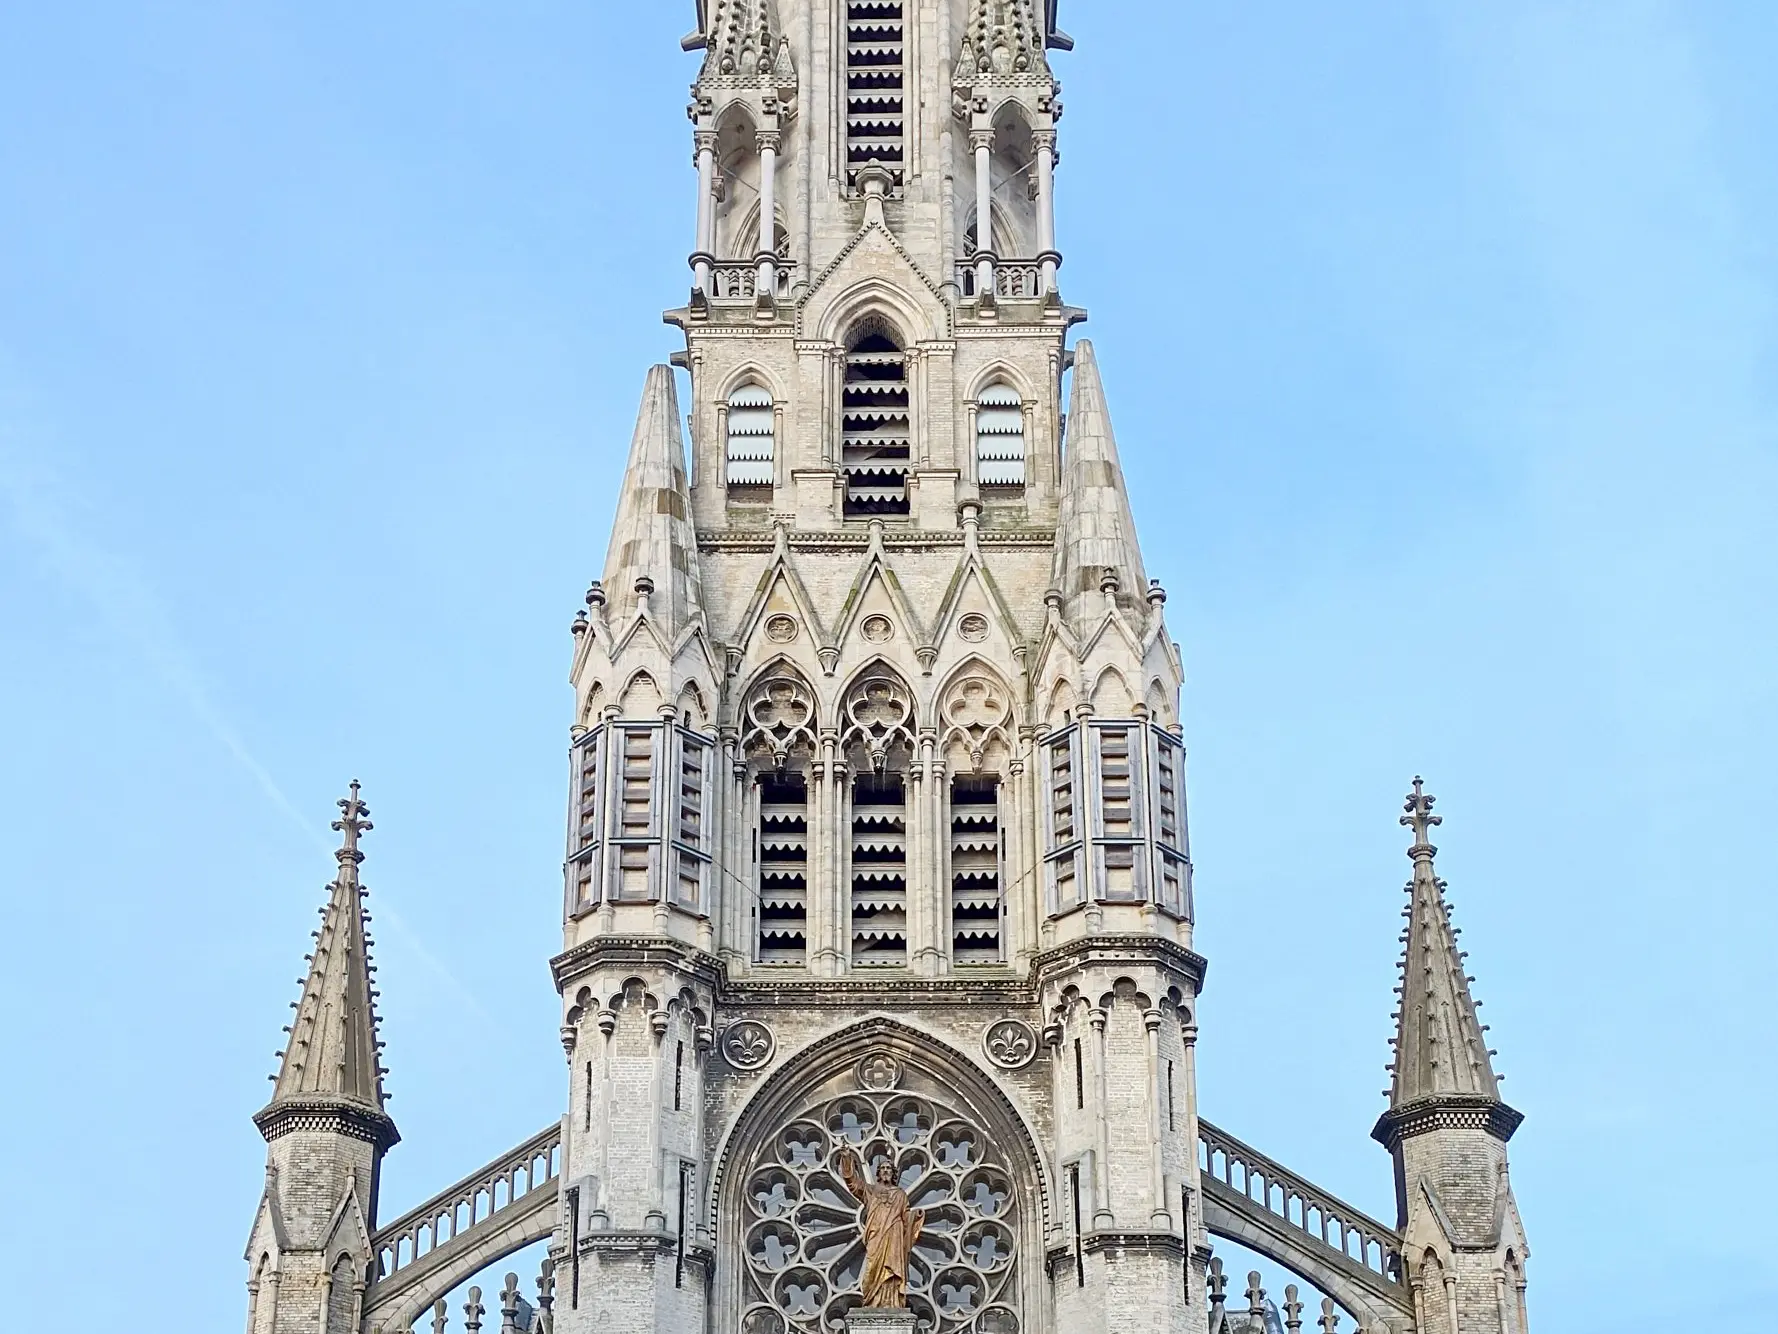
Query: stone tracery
(803, 1254)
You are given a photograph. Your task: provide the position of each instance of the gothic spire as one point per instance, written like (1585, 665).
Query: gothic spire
(653, 558)
(1441, 1055)
(1096, 551)
(1002, 37)
(745, 41)
(331, 1063)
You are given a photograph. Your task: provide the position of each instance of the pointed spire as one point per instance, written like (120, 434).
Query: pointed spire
(1002, 37)
(1442, 1060)
(1096, 551)
(745, 41)
(331, 1065)
(653, 559)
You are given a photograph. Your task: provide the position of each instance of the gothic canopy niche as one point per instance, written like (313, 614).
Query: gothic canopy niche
(951, 1144)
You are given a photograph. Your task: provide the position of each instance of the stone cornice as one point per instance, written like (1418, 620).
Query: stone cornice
(884, 988)
(1119, 949)
(905, 539)
(1453, 1111)
(336, 1116)
(1116, 1241)
(1134, 1239)
(658, 951)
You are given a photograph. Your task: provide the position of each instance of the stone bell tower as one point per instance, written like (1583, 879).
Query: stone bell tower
(877, 976)
(878, 834)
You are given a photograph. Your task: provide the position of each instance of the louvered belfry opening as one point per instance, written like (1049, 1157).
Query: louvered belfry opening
(875, 448)
(752, 424)
(879, 869)
(876, 88)
(975, 869)
(783, 868)
(1000, 440)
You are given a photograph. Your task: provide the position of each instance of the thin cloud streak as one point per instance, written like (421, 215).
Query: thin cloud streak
(35, 501)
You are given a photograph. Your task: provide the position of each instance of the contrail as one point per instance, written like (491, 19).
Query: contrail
(35, 498)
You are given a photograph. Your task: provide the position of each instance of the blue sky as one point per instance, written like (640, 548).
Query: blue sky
(1440, 343)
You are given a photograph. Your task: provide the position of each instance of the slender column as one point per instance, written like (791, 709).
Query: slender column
(1451, 1298)
(706, 239)
(327, 1298)
(816, 888)
(1158, 1213)
(768, 141)
(840, 917)
(1102, 1212)
(1045, 141)
(735, 879)
(981, 143)
(919, 849)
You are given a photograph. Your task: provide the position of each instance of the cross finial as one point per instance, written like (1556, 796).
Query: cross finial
(354, 820)
(1420, 819)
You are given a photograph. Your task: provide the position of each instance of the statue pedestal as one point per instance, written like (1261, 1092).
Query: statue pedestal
(879, 1320)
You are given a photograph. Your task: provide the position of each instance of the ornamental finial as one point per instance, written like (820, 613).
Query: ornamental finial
(1420, 819)
(354, 820)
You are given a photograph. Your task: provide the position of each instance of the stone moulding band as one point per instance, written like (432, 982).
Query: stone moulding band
(1446, 1112)
(850, 992)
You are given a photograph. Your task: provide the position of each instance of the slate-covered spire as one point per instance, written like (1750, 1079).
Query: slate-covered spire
(331, 1065)
(653, 557)
(1096, 549)
(1441, 1053)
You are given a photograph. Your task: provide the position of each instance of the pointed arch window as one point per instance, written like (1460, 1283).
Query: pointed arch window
(876, 429)
(752, 443)
(876, 88)
(1000, 437)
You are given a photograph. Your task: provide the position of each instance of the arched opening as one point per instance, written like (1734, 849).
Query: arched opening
(876, 430)
(752, 445)
(947, 1137)
(778, 742)
(1000, 441)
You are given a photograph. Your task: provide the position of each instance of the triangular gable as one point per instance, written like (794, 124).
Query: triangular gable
(873, 270)
(877, 589)
(780, 580)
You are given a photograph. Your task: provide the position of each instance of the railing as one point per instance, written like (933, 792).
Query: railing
(1013, 278)
(474, 1201)
(738, 279)
(1302, 1207)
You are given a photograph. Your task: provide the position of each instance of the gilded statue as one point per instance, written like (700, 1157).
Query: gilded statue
(890, 1230)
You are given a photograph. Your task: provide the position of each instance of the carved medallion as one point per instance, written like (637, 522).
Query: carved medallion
(877, 629)
(973, 627)
(879, 1071)
(1010, 1043)
(747, 1044)
(781, 629)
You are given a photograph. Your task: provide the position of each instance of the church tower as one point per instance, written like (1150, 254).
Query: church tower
(878, 835)
(878, 995)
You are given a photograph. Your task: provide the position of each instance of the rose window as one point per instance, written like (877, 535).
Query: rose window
(802, 1243)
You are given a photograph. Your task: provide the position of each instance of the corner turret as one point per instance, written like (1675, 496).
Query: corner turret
(1446, 1126)
(326, 1127)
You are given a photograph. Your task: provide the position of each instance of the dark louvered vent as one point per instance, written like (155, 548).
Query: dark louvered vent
(783, 868)
(876, 87)
(975, 869)
(874, 450)
(879, 870)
